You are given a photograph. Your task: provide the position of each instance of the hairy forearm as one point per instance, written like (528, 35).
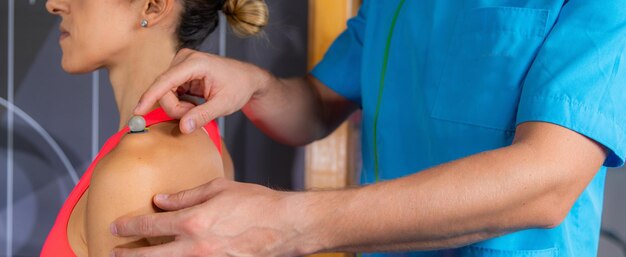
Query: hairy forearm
(455, 204)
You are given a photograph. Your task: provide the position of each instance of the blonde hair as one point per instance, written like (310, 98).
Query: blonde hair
(246, 17)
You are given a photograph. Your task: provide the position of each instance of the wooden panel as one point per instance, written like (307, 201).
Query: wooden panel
(327, 161)
(327, 19)
(330, 163)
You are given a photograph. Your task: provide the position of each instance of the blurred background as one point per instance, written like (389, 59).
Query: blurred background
(52, 124)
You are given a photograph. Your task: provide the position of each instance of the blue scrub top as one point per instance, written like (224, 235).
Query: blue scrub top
(463, 74)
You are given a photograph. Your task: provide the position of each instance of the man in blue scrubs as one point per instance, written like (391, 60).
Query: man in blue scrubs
(488, 127)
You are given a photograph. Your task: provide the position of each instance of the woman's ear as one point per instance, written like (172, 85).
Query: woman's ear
(157, 10)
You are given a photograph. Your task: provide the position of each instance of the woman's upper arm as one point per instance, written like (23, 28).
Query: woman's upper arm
(114, 193)
(125, 181)
(229, 167)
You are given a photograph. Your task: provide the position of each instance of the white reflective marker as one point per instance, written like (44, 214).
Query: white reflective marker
(137, 124)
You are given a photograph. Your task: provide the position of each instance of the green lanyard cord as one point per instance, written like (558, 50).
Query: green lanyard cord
(382, 86)
(380, 89)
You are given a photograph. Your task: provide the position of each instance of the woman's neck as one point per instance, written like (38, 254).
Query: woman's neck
(133, 74)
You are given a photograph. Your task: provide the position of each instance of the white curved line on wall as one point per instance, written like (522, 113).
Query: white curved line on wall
(10, 112)
(46, 136)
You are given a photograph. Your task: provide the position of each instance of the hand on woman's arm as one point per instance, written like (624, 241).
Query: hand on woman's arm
(530, 184)
(293, 111)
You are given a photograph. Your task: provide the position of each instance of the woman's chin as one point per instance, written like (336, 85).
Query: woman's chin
(73, 68)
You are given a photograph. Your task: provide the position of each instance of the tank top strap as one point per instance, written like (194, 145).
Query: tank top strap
(159, 115)
(214, 133)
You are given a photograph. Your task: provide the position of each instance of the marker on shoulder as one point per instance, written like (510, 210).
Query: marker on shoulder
(137, 124)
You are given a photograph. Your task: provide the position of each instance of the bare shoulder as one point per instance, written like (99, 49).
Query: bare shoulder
(141, 166)
(162, 152)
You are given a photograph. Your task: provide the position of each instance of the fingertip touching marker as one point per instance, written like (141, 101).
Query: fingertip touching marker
(137, 124)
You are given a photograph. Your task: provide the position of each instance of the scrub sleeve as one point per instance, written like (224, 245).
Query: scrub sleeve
(340, 69)
(578, 80)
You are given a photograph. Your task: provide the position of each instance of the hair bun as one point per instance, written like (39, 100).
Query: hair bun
(246, 17)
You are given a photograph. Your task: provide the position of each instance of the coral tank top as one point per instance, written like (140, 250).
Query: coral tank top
(57, 243)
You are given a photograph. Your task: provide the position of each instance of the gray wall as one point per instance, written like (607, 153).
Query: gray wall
(77, 114)
(41, 179)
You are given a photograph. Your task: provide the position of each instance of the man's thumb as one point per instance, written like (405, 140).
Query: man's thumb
(180, 200)
(189, 198)
(198, 117)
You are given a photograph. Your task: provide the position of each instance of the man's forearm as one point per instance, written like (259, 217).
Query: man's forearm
(288, 110)
(455, 204)
(445, 207)
(296, 111)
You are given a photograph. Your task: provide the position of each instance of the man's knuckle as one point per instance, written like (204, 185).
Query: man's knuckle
(181, 197)
(162, 78)
(186, 228)
(204, 116)
(145, 226)
(191, 225)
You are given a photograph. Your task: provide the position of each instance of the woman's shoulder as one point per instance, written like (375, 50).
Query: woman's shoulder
(162, 152)
(139, 167)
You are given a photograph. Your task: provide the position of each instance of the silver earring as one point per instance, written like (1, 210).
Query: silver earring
(144, 23)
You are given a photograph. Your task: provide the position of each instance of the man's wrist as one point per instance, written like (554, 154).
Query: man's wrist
(304, 212)
(318, 218)
(262, 81)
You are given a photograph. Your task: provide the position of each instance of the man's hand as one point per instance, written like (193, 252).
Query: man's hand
(221, 218)
(294, 111)
(227, 85)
